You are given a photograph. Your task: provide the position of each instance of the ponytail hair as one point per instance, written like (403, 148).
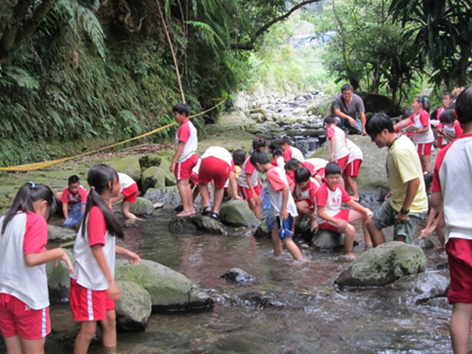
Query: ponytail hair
(27, 195)
(424, 101)
(99, 178)
(259, 143)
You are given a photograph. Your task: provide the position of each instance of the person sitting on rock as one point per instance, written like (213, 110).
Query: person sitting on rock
(329, 199)
(216, 166)
(346, 106)
(73, 194)
(290, 151)
(128, 194)
(283, 208)
(305, 192)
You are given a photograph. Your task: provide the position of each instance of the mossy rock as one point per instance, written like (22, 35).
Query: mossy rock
(59, 233)
(153, 177)
(59, 279)
(142, 207)
(237, 213)
(150, 160)
(134, 309)
(128, 165)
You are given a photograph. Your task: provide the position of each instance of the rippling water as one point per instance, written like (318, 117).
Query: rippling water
(303, 312)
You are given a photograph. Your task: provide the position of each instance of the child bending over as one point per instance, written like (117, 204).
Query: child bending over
(305, 192)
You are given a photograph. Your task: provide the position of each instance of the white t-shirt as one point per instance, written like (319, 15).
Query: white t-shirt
(277, 180)
(355, 152)
(220, 153)
(187, 133)
(125, 181)
(421, 120)
(331, 200)
(340, 149)
(318, 163)
(246, 169)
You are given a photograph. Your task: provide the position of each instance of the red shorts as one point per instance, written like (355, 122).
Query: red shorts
(310, 204)
(184, 169)
(214, 169)
(352, 168)
(320, 172)
(425, 149)
(17, 319)
(342, 162)
(87, 304)
(342, 215)
(247, 194)
(130, 193)
(194, 178)
(459, 255)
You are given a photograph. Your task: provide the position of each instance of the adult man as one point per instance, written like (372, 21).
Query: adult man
(346, 107)
(407, 203)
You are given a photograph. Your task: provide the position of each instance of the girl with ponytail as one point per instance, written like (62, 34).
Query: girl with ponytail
(24, 297)
(93, 288)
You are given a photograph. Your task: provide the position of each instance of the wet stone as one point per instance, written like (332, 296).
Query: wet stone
(237, 275)
(424, 243)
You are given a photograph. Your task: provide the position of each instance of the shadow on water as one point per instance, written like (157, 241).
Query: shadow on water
(288, 308)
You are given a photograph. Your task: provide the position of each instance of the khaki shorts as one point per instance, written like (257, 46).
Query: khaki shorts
(385, 216)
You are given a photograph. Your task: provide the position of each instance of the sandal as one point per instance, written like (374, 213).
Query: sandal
(215, 215)
(207, 210)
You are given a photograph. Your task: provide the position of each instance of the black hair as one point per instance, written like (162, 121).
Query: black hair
(448, 116)
(181, 108)
(285, 140)
(330, 119)
(292, 164)
(447, 94)
(239, 156)
(302, 174)
(260, 157)
(74, 179)
(464, 106)
(27, 195)
(424, 101)
(277, 152)
(99, 178)
(259, 143)
(377, 123)
(332, 168)
(347, 87)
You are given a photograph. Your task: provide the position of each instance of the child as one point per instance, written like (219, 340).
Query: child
(71, 195)
(278, 160)
(453, 163)
(423, 136)
(319, 170)
(250, 185)
(128, 194)
(305, 192)
(292, 165)
(93, 288)
(217, 166)
(352, 169)
(24, 297)
(185, 158)
(290, 151)
(446, 100)
(239, 156)
(337, 147)
(283, 208)
(329, 199)
(449, 128)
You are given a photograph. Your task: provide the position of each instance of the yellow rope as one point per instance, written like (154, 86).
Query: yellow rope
(39, 165)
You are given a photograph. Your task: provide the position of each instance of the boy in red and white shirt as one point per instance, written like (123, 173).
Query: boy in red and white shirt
(185, 158)
(290, 152)
(451, 191)
(352, 169)
(329, 199)
(305, 196)
(319, 168)
(128, 194)
(283, 208)
(71, 195)
(337, 146)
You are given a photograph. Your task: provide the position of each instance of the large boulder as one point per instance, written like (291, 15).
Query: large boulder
(196, 222)
(327, 240)
(146, 161)
(134, 309)
(169, 289)
(417, 288)
(128, 165)
(376, 103)
(237, 213)
(59, 279)
(167, 195)
(383, 265)
(153, 177)
(56, 233)
(142, 207)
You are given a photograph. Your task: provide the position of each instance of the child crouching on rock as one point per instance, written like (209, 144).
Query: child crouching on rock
(329, 199)
(283, 208)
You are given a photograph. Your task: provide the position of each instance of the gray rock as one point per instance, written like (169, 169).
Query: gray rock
(196, 222)
(294, 132)
(424, 243)
(262, 231)
(167, 195)
(169, 289)
(327, 240)
(417, 288)
(58, 233)
(237, 213)
(149, 160)
(153, 177)
(383, 265)
(237, 275)
(128, 165)
(59, 280)
(134, 309)
(142, 207)
(259, 118)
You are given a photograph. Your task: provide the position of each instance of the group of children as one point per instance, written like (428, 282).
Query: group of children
(24, 299)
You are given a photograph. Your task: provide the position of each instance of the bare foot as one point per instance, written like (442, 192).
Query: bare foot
(350, 256)
(186, 213)
(300, 261)
(368, 246)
